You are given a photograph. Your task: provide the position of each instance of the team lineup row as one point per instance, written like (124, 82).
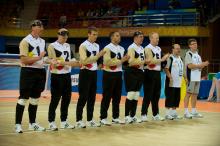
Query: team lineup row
(143, 66)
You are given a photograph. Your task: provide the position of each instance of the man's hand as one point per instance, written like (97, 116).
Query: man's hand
(171, 81)
(164, 58)
(147, 61)
(186, 81)
(101, 53)
(53, 62)
(206, 63)
(125, 58)
(203, 64)
(42, 54)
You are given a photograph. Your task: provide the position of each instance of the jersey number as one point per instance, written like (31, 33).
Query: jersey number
(142, 56)
(66, 53)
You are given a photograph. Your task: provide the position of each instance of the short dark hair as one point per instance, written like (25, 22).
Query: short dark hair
(36, 23)
(112, 33)
(137, 33)
(191, 40)
(173, 45)
(92, 28)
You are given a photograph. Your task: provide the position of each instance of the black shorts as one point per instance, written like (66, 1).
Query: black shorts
(61, 85)
(32, 82)
(134, 79)
(172, 97)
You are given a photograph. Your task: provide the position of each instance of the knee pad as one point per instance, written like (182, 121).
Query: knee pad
(22, 101)
(34, 101)
(130, 95)
(137, 95)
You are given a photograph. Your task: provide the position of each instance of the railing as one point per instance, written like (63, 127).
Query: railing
(183, 19)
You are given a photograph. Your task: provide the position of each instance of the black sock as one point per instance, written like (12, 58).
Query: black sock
(32, 110)
(133, 107)
(19, 113)
(127, 107)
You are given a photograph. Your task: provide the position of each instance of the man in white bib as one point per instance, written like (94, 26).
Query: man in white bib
(134, 77)
(112, 79)
(61, 61)
(89, 54)
(194, 66)
(152, 81)
(32, 76)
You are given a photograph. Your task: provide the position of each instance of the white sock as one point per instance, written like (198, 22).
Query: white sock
(186, 111)
(193, 110)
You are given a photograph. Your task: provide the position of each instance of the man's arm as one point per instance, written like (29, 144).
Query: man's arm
(88, 60)
(25, 59)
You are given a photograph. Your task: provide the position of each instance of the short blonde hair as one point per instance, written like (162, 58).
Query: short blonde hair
(151, 34)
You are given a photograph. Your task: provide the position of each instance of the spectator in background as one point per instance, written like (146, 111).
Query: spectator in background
(62, 21)
(45, 19)
(215, 86)
(174, 4)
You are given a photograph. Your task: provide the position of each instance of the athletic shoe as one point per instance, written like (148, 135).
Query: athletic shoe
(197, 115)
(18, 128)
(36, 127)
(80, 124)
(175, 116)
(187, 116)
(169, 117)
(144, 118)
(66, 125)
(92, 123)
(117, 121)
(136, 120)
(52, 126)
(158, 118)
(128, 120)
(105, 122)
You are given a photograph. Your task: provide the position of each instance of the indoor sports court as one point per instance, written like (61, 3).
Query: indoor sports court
(109, 72)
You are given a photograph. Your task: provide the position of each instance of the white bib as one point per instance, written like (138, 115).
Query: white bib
(157, 55)
(119, 52)
(37, 46)
(63, 53)
(140, 51)
(93, 48)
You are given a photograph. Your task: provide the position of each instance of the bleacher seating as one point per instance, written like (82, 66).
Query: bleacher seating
(53, 10)
(166, 17)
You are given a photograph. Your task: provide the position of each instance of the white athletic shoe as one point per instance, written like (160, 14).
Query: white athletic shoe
(158, 118)
(66, 125)
(80, 124)
(136, 120)
(105, 122)
(197, 115)
(92, 123)
(188, 116)
(169, 117)
(144, 118)
(52, 126)
(117, 121)
(177, 117)
(18, 128)
(128, 120)
(36, 127)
